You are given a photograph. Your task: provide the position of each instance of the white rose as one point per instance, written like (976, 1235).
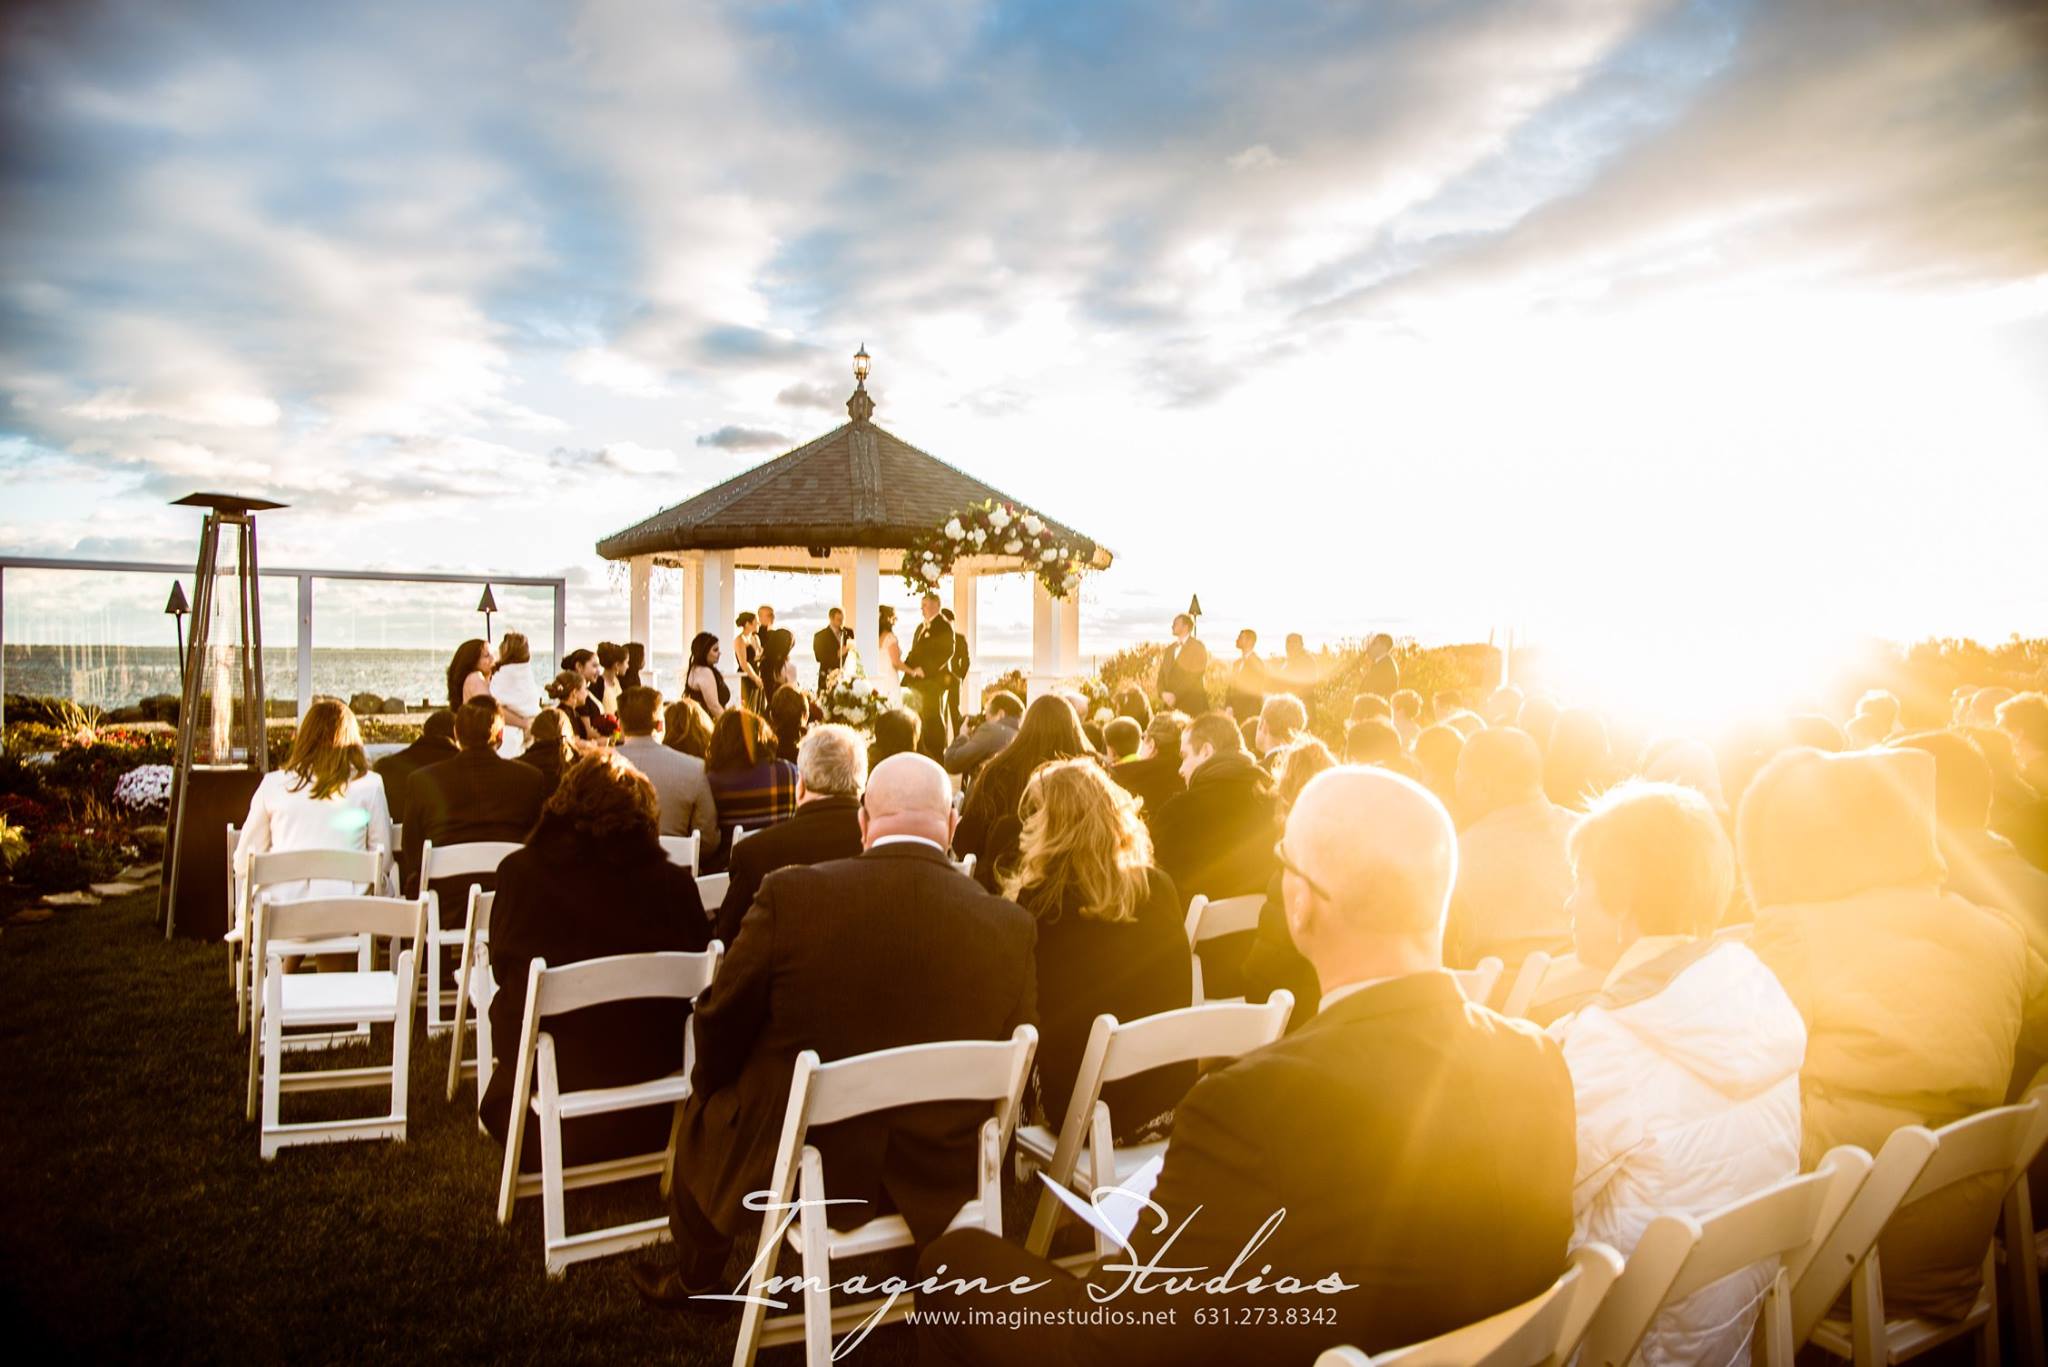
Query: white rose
(1012, 546)
(999, 518)
(1048, 555)
(1031, 525)
(978, 536)
(954, 531)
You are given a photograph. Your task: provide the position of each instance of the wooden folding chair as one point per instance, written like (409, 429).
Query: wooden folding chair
(474, 988)
(1541, 1332)
(467, 860)
(1117, 1050)
(664, 975)
(684, 850)
(1679, 1255)
(327, 999)
(1544, 978)
(1209, 920)
(1479, 981)
(360, 869)
(990, 1071)
(2001, 1141)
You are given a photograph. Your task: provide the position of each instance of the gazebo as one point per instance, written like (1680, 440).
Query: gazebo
(848, 503)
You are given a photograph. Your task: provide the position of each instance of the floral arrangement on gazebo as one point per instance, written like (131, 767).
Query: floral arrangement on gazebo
(994, 528)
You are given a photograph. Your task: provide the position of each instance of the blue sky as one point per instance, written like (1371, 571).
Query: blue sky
(1726, 318)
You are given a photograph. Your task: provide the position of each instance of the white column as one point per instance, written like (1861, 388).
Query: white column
(693, 613)
(640, 610)
(860, 595)
(723, 565)
(716, 588)
(967, 621)
(1067, 613)
(1045, 670)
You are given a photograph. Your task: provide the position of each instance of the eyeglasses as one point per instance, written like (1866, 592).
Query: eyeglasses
(1280, 853)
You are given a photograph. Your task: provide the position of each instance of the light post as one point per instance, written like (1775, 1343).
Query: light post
(175, 609)
(487, 605)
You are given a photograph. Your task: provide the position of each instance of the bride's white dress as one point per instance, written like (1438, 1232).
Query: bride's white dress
(887, 682)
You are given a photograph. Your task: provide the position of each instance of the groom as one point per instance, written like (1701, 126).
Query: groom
(927, 673)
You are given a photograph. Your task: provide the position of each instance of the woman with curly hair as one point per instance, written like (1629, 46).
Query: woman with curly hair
(1110, 935)
(590, 883)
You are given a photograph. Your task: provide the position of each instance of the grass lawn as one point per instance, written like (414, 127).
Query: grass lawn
(140, 1224)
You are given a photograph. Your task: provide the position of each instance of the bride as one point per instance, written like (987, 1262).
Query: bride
(889, 669)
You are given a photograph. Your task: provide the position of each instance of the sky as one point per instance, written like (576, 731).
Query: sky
(1714, 324)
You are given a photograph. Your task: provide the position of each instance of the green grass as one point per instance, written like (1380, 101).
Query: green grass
(140, 1223)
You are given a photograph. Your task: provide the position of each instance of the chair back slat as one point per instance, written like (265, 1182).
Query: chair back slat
(1544, 978)
(1987, 1142)
(464, 860)
(682, 849)
(397, 836)
(394, 918)
(626, 977)
(1212, 1030)
(293, 866)
(711, 889)
(1478, 982)
(952, 1070)
(1225, 916)
(1772, 1224)
(1543, 1330)
(480, 904)
(1898, 1165)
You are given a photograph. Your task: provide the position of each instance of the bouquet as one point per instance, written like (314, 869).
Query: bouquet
(852, 699)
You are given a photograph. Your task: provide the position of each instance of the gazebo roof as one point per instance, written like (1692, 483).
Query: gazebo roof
(856, 486)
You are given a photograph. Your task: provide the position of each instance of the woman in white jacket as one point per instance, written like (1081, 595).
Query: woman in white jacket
(1686, 1064)
(517, 692)
(324, 798)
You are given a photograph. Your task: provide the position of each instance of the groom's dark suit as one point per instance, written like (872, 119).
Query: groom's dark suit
(931, 650)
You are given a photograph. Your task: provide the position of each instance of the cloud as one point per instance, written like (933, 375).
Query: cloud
(735, 438)
(806, 395)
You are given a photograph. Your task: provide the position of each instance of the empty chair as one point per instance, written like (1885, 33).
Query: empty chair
(1994, 1145)
(1083, 1155)
(1479, 982)
(468, 860)
(474, 988)
(1209, 920)
(289, 873)
(1778, 1231)
(1547, 985)
(988, 1071)
(685, 850)
(538, 1085)
(1537, 1333)
(329, 999)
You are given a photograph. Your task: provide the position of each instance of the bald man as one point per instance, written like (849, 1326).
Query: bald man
(890, 948)
(1406, 1157)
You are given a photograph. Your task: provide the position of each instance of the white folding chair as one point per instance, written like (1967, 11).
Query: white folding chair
(237, 936)
(991, 1071)
(965, 864)
(1679, 1255)
(1544, 978)
(1537, 1333)
(316, 999)
(2002, 1142)
(711, 891)
(573, 987)
(1121, 1049)
(1479, 981)
(741, 833)
(359, 869)
(475, 986)
(1209, 920)
(683, 849)
(467, 860)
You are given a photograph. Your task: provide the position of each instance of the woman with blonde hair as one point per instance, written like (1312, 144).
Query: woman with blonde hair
(1110, 934)
(324, 798)
(517, 692)
(686, 726)
(552, 749)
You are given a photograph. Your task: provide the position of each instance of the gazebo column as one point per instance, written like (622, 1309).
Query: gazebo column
(860, 597)
(693, 608)
(717, 592)
(1067, 613)
(967, 621)
(1044, 641)
(640, 601)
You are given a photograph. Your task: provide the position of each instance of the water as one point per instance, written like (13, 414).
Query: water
(109, 676)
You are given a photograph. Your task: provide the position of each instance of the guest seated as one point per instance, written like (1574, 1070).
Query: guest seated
(831, 767)
(2025, 719)
(1982, 865)
(680, 782)
(1001, 713)
(1372, 740)
(1273, 962)
(1538, 718)
(1685, 1066)
(1121, 738)
(1216, 838)
(478, 795)
(436, 743)
(1914, 999)
(823, 961)
(324, 798)
(989, 821)
(1503, 705)
(2017, 812)
(1153, 775)
(686, 726)
(549, 748)
(592, 882)
(1377, 1129)
(1130, 701)
(1369, 706)
(896, 733)
(752, 785)
(1513, 873)
(789, 713)
(1111, 936)
(1437, 750)
(1281, 719)
(1406, 710)
(1577, 764)
(570, 693)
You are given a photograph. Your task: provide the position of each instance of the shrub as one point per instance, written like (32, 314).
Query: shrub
(365, 704)
(64, 861)
(89, 769)
(23, 810)
(19, 777)
(13, 845)
(150, 840)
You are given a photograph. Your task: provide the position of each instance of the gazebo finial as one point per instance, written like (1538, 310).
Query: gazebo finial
(860, 407)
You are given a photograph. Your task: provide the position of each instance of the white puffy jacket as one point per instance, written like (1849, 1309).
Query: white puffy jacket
(1686, 1072)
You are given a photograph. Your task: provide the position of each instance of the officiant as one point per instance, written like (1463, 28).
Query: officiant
(927, 676)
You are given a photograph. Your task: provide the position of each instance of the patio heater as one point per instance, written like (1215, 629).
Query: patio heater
(213, 778)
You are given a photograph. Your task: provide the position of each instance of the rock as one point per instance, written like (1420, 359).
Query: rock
(29, 916)
(118, 889)
(366, 704)
(141, 873)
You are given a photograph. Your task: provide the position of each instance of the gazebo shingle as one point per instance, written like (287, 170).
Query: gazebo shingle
(858, 485)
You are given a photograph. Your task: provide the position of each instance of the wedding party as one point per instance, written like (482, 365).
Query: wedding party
(955, 682)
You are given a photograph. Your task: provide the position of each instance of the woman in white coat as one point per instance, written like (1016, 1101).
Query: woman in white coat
(324, 798)
(1686, 1064)
(518, 692)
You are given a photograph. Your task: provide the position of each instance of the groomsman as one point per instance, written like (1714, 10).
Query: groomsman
(829, 645)
(1180, 670)
(927, 672)
(776, 645)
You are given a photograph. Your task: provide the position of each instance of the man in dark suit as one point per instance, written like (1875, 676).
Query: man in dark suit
(895, 947)
(928, 671)
(436, 743)
(831, 766)
(1363, 1156)
(1153, 775)
(477, 795)
(776, 645)
(829, 645)
(1181, 668)
(1216, 838)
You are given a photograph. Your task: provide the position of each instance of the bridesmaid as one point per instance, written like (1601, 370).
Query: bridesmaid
(746, 658)
(469, 673)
